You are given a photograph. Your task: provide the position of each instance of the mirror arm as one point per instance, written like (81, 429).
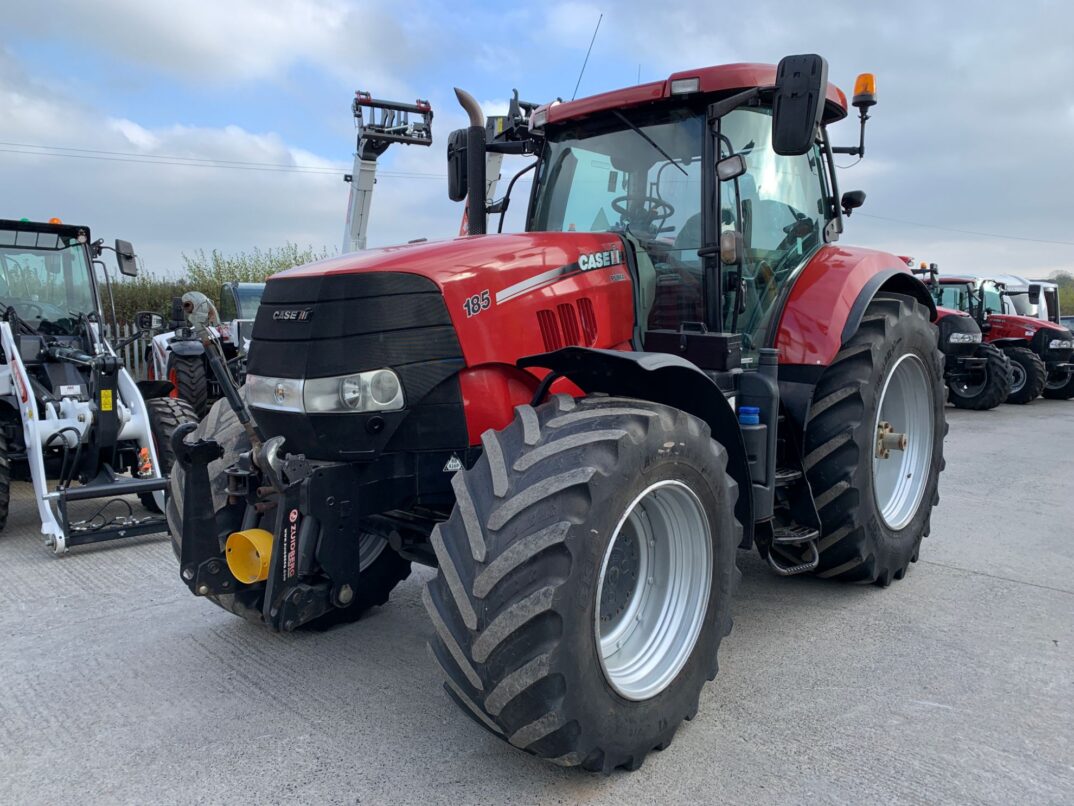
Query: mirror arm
(859, 149)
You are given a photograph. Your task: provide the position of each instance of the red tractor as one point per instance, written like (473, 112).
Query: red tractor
(978, 375)
(580, 424)
(1039, 350)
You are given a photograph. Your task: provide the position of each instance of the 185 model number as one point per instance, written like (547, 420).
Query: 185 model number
(477, 303)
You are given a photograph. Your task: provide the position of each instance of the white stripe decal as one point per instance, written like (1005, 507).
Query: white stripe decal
(512, 291)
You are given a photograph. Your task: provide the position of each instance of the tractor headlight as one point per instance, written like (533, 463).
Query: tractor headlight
(964, 338)
(1060, 344)
(376, 390)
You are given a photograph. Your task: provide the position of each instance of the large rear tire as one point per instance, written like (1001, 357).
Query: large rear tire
(585, 579)
(188, 376)
(381, 567)
(992, 389)
(1028, 375)
(165, 415)
(874, 510)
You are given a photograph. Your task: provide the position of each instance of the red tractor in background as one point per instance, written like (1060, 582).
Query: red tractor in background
(1039, 350)
(978, 375)
(579, 424)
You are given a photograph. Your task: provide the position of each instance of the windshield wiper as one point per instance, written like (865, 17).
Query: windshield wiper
(649, 140)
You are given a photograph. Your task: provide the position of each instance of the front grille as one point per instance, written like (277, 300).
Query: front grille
(335, 324)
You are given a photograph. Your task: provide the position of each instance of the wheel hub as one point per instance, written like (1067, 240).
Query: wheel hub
(1018, 376)
(887, 441)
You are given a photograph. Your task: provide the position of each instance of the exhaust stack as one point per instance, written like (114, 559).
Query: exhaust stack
(475, 164)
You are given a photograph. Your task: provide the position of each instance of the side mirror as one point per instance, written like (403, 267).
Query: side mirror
(456, 158)
(125, 256)
(798, 103)
(730, 167)
(148, 321)
(1034, 294)
(852, 200)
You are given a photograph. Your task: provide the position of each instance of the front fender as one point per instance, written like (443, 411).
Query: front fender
(667, 379)
(187, 347)
(829, 297)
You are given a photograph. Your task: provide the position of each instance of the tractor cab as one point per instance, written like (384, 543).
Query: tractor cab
(722, 183)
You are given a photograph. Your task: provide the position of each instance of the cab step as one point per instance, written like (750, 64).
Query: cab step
(786, 476)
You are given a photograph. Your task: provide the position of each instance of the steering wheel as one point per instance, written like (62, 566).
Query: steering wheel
(658, 209)
(33, 306)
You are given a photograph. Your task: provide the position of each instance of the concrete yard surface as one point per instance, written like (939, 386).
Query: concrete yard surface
(955, 685)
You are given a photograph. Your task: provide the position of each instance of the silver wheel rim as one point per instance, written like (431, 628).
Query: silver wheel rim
(369, 548)
(653, 590)
(1061, 380)
(899, 479)
(970, 389)
(1018, 377)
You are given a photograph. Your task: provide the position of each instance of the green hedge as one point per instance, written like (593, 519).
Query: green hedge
(205, 273)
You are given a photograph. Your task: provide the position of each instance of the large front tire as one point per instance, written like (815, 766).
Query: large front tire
(165, 415)
(548, 627)
(1028, 375)
(990, 390)
(874, 509)
(1059, 389)
(188, 376)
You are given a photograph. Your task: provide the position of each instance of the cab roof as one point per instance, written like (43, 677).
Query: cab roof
(67, 230)
(720, 79)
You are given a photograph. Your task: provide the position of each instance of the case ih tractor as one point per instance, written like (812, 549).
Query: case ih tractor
(581, 423)
(70, 412)
(1039, 351)
(978, 375)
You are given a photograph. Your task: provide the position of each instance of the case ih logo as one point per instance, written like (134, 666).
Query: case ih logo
(600, 260)
(295, 315)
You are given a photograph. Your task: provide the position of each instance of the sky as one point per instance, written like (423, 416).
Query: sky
(970, 150)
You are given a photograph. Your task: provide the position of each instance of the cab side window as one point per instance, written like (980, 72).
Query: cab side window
(783, 208)
(227, 305)
(993, 300)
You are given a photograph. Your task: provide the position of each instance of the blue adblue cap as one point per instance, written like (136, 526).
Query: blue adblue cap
(749, 415)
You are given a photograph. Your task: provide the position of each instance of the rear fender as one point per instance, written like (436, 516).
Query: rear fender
(667, 379)
(826, 304)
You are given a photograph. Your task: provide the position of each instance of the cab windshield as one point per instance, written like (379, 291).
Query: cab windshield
(46, 279)
(248, 297)
(633, 173)
(639, 172)
(958, 296)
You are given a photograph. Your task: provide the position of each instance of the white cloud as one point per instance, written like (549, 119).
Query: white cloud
(166, 209)
(237, 40)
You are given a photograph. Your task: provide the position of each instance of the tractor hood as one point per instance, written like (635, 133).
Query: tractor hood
(1027, 326)
(444, 317)
(496, 287)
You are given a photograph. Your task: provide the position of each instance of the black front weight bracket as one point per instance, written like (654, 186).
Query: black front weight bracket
(289, 602)
(201, 563)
